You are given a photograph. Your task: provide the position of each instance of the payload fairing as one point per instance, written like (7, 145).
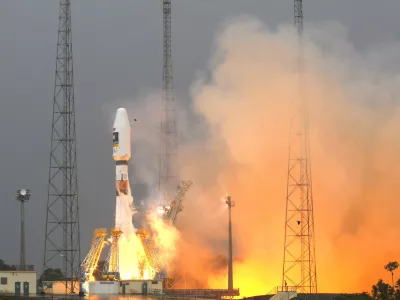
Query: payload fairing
(122, 154)
(121, 150)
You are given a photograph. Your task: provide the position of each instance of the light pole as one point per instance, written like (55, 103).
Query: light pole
(23, 196)
(230, 204)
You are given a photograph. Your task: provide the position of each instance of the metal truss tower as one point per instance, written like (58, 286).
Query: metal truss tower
(168, 136)
(299, 267)
(62, 237)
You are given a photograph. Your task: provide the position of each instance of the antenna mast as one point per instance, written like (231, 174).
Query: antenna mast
(168, 143)
(299, 267)
(62, 237)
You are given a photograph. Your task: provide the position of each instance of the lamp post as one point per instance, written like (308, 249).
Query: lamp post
(230, 204)
(23, 196)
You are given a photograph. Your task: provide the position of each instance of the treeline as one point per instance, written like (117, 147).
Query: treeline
(6, 267)
(56, 274)
(385, 291)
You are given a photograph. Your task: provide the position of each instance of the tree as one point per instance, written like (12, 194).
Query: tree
(6, 267)
(51, 275)
(391, 267)
(397, 290)
(3, 265)
(397, 285)
(382, 291)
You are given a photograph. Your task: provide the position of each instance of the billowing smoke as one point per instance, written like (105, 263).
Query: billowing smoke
(165, 237)
(244, 110)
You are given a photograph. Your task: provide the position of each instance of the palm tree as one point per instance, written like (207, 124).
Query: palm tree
(391, 267)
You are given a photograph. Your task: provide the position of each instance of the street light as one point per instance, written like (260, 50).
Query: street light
(230, 203)
(23, 196)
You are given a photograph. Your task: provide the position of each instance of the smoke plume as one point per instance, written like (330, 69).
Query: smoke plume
(243, 107)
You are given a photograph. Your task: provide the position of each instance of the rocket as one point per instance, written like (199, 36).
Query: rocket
(121, 151)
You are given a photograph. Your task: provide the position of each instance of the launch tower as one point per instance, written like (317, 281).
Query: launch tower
(168, 136)
(299, 268)
(62, 237)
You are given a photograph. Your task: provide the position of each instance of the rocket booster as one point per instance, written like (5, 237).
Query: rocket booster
(121, 150)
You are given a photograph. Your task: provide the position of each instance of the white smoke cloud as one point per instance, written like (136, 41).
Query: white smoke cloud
(241, 145)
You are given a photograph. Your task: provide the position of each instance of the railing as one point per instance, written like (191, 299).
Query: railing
(280, 288)
(202, 293)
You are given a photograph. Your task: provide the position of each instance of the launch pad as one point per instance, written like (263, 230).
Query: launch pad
(133, 265)
(150, 275)
(146, 273)
(126, 287)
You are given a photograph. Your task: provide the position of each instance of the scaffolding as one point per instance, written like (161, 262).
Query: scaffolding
(151, 251)
(172, 210)
(111, 266)
(91, 260)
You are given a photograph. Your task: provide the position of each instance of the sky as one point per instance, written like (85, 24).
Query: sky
(117, 48)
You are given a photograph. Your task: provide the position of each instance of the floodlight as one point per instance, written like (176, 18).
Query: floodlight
(23, 195)
(229, 201)
(160, 210)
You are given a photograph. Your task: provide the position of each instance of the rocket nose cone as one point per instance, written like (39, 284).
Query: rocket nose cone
(121, 118)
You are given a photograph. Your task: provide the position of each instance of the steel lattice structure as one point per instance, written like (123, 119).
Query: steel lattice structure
(299, 266)
(176, 206)
(112, 262)
(89, 264)
(62, 237)
(168, 136)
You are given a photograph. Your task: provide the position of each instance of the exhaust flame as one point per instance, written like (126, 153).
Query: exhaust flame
(165, 237)
(133, 263)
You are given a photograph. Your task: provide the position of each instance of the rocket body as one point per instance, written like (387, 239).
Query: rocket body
(121, 151)
(124, 207)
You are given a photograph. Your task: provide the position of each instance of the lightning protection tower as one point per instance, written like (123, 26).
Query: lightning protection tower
(230, 203)
(168, 136)
(62, 238)
(299, 267)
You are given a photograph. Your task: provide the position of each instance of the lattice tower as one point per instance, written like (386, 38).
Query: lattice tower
(168, 136)
(62, 236)
(299, 267)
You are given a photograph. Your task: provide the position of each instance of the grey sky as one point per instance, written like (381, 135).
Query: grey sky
(117, 53)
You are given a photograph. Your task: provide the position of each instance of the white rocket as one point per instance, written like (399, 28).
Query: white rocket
(121, 151)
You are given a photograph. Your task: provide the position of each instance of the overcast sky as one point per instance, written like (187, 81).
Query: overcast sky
(117, 48)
